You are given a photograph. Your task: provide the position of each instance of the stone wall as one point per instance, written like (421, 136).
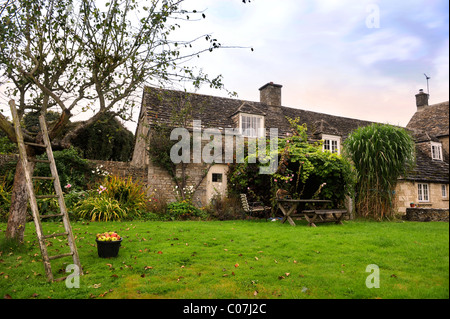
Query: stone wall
(406, 193)
(122, 169)
(426, 215)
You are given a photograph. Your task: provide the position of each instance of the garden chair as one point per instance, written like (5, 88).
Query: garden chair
(254, 209)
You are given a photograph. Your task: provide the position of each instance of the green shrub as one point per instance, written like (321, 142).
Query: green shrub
(132, 196)
(72, 169)
(100, 208)
(184, 210)
(107, 139)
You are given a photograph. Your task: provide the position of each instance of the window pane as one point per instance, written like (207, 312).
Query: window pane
(425, 192)
(334, 146)
(252, 126)
(217, 178)
(419, 187)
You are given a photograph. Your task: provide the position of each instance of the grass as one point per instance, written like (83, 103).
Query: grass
(238, 259)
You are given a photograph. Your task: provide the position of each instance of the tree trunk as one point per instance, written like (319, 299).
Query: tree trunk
(19, 203)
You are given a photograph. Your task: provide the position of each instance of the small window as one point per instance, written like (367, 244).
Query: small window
(252, 125)
(331, 143)
(436, 151)
(444, 190)
(217, 178)
(423, 193)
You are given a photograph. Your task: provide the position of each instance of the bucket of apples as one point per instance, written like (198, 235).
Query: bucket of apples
(108, 244)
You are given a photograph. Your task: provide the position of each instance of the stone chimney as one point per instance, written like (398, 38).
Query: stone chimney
(421, 100)
(270, 94)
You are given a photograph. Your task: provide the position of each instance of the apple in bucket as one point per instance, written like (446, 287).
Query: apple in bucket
(108, 244)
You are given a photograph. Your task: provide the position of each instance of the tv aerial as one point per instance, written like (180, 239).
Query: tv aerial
(428, 87)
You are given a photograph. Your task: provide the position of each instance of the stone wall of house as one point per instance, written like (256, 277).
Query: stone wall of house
(162, 184)
(426, 215)
(406, 193)
(122, 169)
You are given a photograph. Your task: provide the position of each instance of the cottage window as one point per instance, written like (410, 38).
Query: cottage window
(252, 125)
(217, 178)
(331, 143)
(436, 151)
(444, 190)
(423, 193)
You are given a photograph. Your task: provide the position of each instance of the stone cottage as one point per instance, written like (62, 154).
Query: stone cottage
(428, 185)
(254, 119)
(250, 119)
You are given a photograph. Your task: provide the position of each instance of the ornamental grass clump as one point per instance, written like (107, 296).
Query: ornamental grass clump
(381, 153)
(115, 199)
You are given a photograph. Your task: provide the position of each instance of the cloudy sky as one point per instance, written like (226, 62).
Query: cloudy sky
(353, 58)
(361, 59)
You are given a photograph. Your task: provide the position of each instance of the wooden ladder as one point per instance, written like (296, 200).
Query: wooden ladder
(32, 197)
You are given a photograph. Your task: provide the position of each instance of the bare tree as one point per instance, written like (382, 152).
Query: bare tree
(68, 54)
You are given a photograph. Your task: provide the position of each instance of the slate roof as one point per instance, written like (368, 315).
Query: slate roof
(433, 119)
(218, 112)
(427, 169)
(427, 124)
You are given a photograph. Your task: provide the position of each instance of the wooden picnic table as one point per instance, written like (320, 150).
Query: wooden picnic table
(288, 206)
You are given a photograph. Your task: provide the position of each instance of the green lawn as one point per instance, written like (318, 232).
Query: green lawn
(239, 259)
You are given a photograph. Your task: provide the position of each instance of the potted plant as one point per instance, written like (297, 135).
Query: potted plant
(412, 205)
(108, 244)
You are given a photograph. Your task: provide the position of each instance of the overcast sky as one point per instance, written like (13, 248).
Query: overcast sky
(352, 58)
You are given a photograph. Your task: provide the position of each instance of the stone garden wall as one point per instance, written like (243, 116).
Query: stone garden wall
(426, 215)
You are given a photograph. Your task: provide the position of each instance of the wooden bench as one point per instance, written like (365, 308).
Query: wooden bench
(254, 208)
(312, 214)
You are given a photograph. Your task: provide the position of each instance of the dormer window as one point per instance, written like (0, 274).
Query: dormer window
(252, 125)
(436, 151)
(332, 143)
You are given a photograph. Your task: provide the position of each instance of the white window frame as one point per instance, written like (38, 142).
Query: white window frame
(254, 131)
(423, 192)
(331, 143)
(444, 191)
(436, 151)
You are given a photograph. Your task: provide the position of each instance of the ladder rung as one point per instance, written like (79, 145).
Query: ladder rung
(35, 144)
(59, 256)
(43, 177)
(46, 196)
(55, 235)
(38, 160)
(50, 216)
